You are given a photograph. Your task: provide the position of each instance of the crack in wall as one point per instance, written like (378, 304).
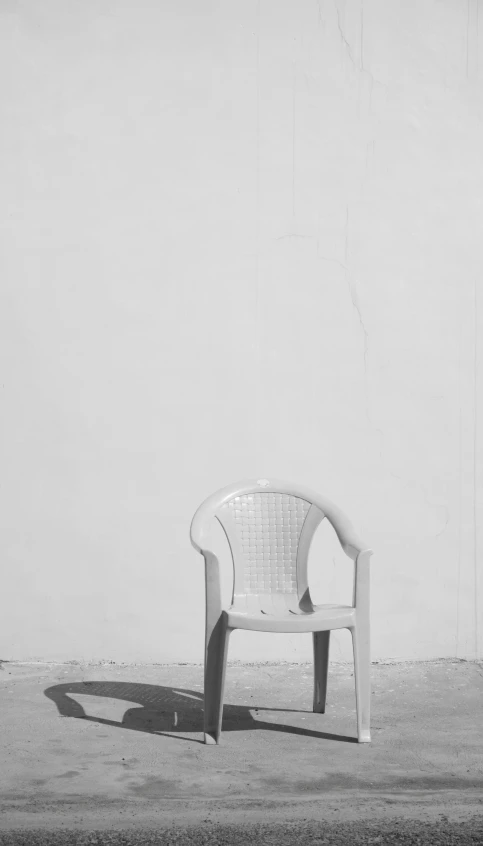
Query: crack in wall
(352, 287)
(320, 19)
(359, 67)
(344, 39)
(467, 38)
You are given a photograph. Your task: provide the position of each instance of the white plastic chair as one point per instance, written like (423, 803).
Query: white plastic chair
(269, 526)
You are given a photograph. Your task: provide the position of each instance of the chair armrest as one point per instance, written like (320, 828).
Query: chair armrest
(201, 540)
(350, 542)
(354, 547)
(212, 587)
(198, 531)
(362, 582)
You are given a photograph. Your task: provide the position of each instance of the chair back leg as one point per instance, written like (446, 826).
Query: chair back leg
(216, 652)
(362, 676)
(321, 641)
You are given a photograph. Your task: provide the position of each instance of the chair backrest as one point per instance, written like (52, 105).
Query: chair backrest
(269, 525)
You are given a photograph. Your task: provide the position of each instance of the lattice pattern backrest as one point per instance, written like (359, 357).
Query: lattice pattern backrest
(268, 528)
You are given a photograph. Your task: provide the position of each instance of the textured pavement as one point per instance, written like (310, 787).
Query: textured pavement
(300, 834)
(114, 751)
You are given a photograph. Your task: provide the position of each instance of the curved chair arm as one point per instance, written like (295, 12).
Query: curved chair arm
(350, 542)
(354, 547)
(212, 586)
(200, 527)
(200, 539)
(361, 592)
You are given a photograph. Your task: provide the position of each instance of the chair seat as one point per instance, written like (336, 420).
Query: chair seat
(318, 618)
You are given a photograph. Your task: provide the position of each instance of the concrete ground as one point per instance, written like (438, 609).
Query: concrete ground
(115, 751)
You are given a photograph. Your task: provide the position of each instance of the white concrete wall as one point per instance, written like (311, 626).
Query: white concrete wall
(238, 238)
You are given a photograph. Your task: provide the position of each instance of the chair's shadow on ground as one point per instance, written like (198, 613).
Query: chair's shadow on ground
(169, 710)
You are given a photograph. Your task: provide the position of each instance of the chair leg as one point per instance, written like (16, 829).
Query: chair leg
(215, 668)
(362, 676)
(321, 641)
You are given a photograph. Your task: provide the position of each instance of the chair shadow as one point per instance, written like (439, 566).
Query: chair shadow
(168, 710)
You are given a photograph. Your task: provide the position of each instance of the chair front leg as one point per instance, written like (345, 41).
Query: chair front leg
(362, 676)
(216, 652)
(361, 644)
(321, 642)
